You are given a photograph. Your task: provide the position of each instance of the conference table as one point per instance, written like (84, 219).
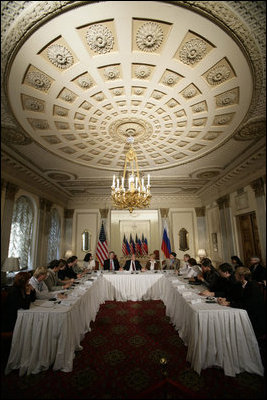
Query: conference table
(48, 334)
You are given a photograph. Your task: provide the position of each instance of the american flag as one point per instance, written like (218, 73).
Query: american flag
(132, 247)
(102, 247)
(144, 245)
(124, 248)
(137, 247)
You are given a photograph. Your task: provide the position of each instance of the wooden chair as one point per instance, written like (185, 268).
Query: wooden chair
(96, 265)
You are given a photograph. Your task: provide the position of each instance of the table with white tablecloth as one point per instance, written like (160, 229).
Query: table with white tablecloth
(215, 335)
(124, 286)
(48, 334)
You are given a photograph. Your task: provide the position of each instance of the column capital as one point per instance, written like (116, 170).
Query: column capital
(68, 212)
(45, 204)
(223, 202)
(11, 190)
(258, 187)
(164, 212)
(103, 212)
(200, 211)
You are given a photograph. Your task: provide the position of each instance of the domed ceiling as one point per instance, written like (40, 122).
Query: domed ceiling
(89, 77)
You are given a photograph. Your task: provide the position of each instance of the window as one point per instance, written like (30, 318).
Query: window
(20, 244)
(53, 250)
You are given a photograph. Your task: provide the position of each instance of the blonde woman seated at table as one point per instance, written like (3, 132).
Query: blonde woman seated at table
(88, 262)
(37, 282)
(52, 281)
(152, 263)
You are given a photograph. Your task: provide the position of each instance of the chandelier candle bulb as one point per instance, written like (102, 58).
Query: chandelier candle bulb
(113, 184)
(122, 183)
(118, 183)
(148, 180)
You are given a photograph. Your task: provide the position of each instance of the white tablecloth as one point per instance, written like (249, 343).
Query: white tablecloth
(124, 286)
(216, 336)
(48, 336)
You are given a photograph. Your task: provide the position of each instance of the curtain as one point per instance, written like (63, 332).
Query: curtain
(20, 244)
(54, 237)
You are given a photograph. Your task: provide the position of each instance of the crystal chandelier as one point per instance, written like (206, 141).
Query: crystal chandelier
(137, 195)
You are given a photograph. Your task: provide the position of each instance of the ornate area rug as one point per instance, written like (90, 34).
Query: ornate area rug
(132, 352)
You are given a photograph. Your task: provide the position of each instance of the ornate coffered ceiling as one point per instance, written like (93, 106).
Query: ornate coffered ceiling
(184, 79)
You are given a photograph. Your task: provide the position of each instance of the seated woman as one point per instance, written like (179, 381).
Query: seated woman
(88, 262)
(236, 262)
(37, 282)
(20, 296)
(152, 263)
(249, 297)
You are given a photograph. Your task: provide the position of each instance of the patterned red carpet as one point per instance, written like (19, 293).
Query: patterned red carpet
(121, 359)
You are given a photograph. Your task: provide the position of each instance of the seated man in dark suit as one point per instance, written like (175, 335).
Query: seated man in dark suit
(111, 263)
(132, 264)
(250, 298)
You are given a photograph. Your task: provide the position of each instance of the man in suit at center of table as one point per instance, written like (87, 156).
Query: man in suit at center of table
(111, 263)
(132, 264)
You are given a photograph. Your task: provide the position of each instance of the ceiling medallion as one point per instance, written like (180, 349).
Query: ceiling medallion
(121, 129)
(100, 39)
(193, 51)
(60, 56)
(85, 82)
(38, 80)
(111, 73)
(149, 36)
(218, 75)
(142, 71)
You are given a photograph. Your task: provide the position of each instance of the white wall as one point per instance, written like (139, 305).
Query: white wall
(139, 221)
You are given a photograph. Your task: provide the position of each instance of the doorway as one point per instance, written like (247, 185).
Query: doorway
(249, 236)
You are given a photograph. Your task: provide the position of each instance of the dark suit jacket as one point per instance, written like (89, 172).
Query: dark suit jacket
(259, 273)
(128, 264)
(14, 302)
(251, 299)
(107, 264)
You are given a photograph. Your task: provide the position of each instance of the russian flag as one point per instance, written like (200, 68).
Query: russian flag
(166, 244)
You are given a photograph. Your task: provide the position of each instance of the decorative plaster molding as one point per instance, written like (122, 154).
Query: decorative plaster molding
(200, 211)
(258, 187)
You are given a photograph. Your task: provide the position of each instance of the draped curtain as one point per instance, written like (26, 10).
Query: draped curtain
(54, 237)
(20, 244)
